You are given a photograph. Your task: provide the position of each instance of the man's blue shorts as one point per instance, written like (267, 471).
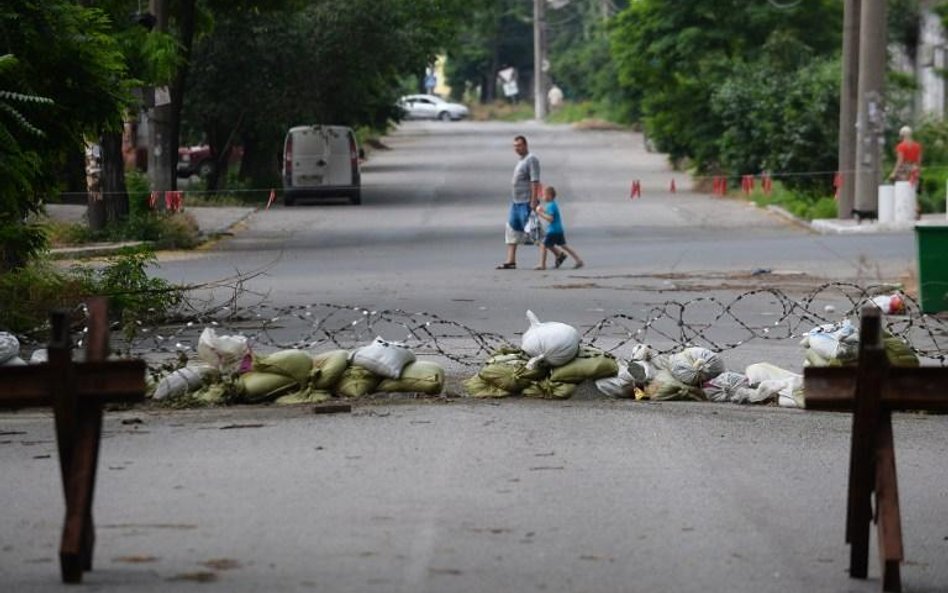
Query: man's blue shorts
(519, 213)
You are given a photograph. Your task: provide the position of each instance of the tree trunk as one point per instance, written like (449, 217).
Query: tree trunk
(96, 210)
(259, 165)
(186, 26)
(114, 192)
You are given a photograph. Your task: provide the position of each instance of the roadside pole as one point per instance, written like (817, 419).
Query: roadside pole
(160, 175)
(871, 116)
(539, 58)
(848, 101)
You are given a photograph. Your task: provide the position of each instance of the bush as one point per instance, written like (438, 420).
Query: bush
(32, 291)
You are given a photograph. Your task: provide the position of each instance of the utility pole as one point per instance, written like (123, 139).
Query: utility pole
(160, 155)
(539, 59)
(871, 116)
(848, 102)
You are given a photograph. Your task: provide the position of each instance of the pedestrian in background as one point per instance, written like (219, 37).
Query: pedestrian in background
(908, 158)
(525, 194)
(555, 240)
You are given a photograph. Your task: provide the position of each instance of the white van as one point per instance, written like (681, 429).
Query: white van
(321, 161)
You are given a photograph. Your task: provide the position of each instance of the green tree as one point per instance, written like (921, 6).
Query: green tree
(679, 55)
(336, 61)
(76, 64)
(494, 34)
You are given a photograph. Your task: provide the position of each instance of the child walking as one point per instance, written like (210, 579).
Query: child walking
(555, 239)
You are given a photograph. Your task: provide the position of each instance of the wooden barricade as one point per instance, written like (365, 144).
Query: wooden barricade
(872, 390)
(77, 393)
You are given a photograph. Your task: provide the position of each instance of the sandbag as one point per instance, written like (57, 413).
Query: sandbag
(548, 389)
(730, 386)
(9, 347)
(898, 352)
(254, 386)
(384, 358)
(421, 376)
(184, 380)
(623, 385)
(665, 387)
(508, 371)
(304, 396)
(590, 363)
(330, 366)
(772, 381)
(477, 387)
(693, 366)
(356, 381)
(228, 354)
(292, 363)
(552, 342)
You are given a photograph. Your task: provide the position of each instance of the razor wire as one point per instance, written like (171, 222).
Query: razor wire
(714, 322)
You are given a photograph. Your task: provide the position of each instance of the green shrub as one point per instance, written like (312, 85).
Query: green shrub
(29, 293)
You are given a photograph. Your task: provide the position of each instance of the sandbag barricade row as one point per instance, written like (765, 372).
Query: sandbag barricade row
(872, 390)
(77, 392)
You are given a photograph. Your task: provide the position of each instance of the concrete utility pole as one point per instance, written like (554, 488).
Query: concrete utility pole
(539, 59)
(848, 101)
(871, 116)
(160, 175)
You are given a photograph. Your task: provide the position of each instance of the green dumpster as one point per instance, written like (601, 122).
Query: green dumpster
(932, 241)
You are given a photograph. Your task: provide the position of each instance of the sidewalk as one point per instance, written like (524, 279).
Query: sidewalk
(211, 221)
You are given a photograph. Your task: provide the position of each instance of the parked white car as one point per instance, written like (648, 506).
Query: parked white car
(431, 107)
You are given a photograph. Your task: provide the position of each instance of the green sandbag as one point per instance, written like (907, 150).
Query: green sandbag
(477, 387)
(665, 387)
(255, 387)
(291, 363)
(508, 371)
(590, 364)
(304, 396)
(356, 381)
(898, 352)
(420, 376)
(328, 368)
(549, 389)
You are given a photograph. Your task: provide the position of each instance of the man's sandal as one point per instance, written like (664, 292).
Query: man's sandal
(560, 259)
(507, 266)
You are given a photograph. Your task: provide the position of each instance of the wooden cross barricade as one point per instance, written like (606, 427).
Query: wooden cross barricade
(77, 393)
(872, 390)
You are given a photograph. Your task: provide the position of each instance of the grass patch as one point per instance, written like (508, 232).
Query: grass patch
(164, 231)
(805, 206)
(502, 111)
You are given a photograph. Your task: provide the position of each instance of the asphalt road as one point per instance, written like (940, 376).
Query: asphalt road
(453, 495)
(430, 233)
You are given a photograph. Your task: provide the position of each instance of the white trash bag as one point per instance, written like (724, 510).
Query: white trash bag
(225, 353)
(384, 358)
(551, 342)
(831, 342)
(732, 387)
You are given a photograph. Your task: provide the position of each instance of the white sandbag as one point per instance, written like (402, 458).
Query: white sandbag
(225, 353)
(694, 366)
(552, 342)
(9, 347)
(623, 385)
(732, 387)
(183, 380)
(16, 361)
(384, 358)
(833, 342)
(772, 381)
(39, 355)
